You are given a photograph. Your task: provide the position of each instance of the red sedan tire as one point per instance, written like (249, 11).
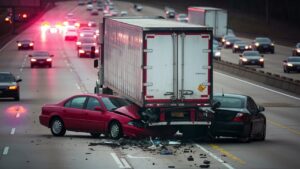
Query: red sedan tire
(115, 130)
(57, 127)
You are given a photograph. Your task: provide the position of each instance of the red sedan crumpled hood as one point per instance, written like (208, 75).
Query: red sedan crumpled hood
(131, 111)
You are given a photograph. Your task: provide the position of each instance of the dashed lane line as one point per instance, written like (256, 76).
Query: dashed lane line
(228, 154)
(13, 130)
(121, 163)
(215, 157)
(5, 151)
(297, 132)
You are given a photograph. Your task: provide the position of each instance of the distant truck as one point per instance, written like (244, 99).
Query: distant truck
(163, 66)
(212, 17)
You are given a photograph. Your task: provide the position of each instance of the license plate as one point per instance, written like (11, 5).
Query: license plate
(252, 61)
(265, 46)
(88, 53)
(177, 114)
(1, 92)
(41, 61)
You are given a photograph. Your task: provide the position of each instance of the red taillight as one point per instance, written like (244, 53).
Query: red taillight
(24, 15)
(31, 44)
(49, 60)
(81, 51)
(240, 117)
(33, 60)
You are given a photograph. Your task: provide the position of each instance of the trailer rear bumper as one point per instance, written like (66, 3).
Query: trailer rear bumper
(200, 123)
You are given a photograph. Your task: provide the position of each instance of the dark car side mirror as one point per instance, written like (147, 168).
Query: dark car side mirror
(241, 56)
(29, 55)
(52, 56)
(98, 108)
(261, 108)
(262, 56)
(216, 105)
(284, 61)
(19, 80)
(96, 63)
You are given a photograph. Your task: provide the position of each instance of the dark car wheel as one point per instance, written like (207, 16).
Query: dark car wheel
(57, 127)
(50, 65)
(262, 66)
(95, 134)
(262, 135)
(17, 97)
(115, 130)
(247, 137)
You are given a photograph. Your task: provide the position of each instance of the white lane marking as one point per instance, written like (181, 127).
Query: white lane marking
(117, 160)
(293, 97)
(5, 151)
(126, 165)
(18, 115)
(215, 157)
(77, 85)
(13, 131)
(130, 156)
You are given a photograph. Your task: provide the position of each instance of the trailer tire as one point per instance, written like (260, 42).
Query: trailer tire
(107, 91)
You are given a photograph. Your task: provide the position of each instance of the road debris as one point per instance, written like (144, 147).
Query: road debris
(190, 158)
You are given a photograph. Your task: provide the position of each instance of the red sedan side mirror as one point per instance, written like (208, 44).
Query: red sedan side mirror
(98, 108)
(284, 61)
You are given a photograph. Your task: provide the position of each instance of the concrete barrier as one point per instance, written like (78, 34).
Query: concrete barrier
(267, 78)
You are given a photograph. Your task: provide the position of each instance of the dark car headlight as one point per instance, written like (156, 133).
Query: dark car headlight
(137, 123)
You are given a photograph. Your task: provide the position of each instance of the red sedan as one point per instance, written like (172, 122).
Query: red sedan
(94, 114)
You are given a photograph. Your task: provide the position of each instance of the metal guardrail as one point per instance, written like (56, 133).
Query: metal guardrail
(271, 79)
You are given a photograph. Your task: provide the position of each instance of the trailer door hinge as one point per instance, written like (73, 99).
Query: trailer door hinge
(148, 84)
(147, 67)
(206, 67)
(206, 50)
(148, 50)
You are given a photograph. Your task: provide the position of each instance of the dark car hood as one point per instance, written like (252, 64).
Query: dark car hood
(130, 111)
(5, 84)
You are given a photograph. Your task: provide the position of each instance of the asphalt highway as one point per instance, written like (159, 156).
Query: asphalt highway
(24, 143)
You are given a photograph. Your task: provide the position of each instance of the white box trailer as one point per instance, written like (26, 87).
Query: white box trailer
(159, 64)
(209, 16)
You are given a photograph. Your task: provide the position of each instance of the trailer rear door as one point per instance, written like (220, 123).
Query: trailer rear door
(177, 68)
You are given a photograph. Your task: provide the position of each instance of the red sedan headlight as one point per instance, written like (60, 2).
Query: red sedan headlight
(19, 44)
(31, 44)
(49, 60)
(33, 60)
(81, 51)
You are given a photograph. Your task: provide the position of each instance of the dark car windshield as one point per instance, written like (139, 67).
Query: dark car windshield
(251, 53)
(298, 45)
(229, 102)
(264, 40)
(294, 59)
(87, 40)
(41, 54)
(5, 77)
(114, 103)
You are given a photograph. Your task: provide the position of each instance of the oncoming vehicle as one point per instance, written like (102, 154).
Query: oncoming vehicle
(100, 114)
(25, 44)
(230, 41)
(9, 86)
(263, 45)
(40, 58)
(251, 58)
(239, 116)
(170, 12)
(296, 50)
(240, 46)
(292, 63)
(138, 7)
(181, 17)
(88, 51)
